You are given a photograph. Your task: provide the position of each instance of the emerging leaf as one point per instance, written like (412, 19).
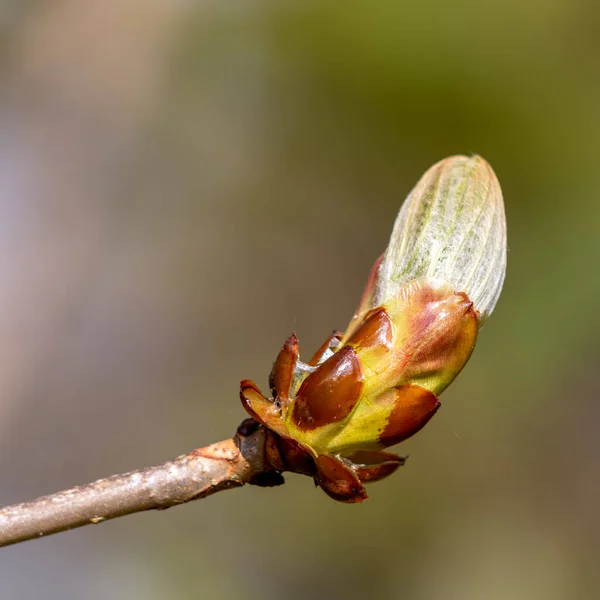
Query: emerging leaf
(452, 228)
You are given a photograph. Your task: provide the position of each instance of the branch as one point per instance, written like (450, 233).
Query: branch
(205, 471)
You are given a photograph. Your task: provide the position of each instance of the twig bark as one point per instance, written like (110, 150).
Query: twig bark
(221, 466)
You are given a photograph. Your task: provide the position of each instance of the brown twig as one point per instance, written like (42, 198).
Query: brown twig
(221, 466)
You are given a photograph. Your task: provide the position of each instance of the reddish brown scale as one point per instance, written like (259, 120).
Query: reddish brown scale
(318, 355)
(436, 352)
(296, 458)
(413, 408)
(339, 481)
(376, 331)
(260, 408)
(248, 390)
(330, 393)
(453, 340)
(282, 374)
(373, 465)
(273, 454)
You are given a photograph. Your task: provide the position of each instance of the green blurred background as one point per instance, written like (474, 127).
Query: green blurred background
(182, 184)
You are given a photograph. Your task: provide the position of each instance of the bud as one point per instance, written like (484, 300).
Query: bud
(416, 326)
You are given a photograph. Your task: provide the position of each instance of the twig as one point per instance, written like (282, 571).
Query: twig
(221, 466)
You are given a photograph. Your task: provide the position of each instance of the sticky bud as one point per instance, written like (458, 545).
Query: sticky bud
(417, 323)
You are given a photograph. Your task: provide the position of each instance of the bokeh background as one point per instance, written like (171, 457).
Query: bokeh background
(182, 184)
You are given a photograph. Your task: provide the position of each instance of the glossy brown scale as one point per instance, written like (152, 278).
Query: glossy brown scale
(434, 353)
(441, 342)
(413, 408)
(376, 331)
(289, 455)
(372, 465)
(338, 480)
(330, 393)
(282, 374)
(261, 409)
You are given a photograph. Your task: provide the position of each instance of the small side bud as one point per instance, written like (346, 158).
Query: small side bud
(451, 227)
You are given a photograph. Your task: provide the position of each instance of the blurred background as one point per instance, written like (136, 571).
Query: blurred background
(183, 184)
